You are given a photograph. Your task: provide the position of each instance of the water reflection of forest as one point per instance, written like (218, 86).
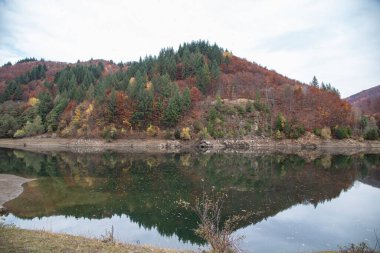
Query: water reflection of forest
(146, 187)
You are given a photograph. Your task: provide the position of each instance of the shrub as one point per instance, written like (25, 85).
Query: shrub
(31, 128)
(36, 127)
(357, 248)
(218, 234)
(218, 102)
(280, 122)
(8, 125)
(278, 135)
(326, 133)
(203, 134)
(260, 106)
(229, 110)
(341, 132)
(371, 134)
(249, 107)
(240, 109)
(109, 133)
(152, 130)
(177, 134)
(185, 133)
(317, 131)
(19, 133)
(296, 131)
(169, 135)
(198, 126)
(248, 127)
(212, 114)
(216, 132)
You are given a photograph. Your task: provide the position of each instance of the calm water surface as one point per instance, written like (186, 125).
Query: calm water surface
(299, 203)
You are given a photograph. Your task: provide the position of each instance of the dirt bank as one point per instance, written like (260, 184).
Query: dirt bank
(307, 143)
(10, 188)
(94, 145)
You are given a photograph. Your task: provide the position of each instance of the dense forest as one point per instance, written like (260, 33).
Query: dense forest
(197, 91)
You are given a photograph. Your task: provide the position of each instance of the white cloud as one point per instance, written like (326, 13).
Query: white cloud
(335, 40)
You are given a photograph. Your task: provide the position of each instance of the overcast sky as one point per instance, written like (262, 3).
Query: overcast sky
(336, 40)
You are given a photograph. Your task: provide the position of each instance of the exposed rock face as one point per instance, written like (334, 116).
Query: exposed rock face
(204, 145)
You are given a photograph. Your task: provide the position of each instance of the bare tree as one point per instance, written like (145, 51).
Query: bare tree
(211, 228)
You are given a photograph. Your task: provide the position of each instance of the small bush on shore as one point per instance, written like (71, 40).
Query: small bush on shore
(177, 134)
(185, 134)
(371, 134)
(152, 131)
(295, 132)
(198, 126)
(203, 134)
(249, 107)
(31, 128)
(169, 135)
(109, 133)
(326, 133)
(342, 132)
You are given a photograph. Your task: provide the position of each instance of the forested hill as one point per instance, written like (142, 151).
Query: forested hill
(197, 91)
(367, 101)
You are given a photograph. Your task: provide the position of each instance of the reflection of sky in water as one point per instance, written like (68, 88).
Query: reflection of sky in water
(351, 218)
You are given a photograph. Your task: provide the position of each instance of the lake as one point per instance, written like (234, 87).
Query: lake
(299, 203)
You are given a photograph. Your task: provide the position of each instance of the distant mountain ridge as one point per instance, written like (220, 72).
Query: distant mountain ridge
(368, 101)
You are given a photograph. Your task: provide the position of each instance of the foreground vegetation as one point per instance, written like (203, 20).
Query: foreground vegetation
(20, 240)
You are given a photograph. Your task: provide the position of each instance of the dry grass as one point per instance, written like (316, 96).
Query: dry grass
(20, 240)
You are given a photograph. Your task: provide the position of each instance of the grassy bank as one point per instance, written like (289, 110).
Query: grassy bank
(20, 240)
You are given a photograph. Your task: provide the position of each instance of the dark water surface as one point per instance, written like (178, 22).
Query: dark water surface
(298, 203)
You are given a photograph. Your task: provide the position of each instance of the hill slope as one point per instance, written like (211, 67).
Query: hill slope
(367, 101)
(199, 86)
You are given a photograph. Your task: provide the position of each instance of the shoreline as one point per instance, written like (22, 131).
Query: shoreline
(22, 240)
(11, 187)
(251, 145)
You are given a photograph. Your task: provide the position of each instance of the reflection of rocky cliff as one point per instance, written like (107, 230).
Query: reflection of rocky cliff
(146, 188)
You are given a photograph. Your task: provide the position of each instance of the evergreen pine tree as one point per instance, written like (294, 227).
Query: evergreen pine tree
(112, 105)
(186, 63)
(203, 78)
(186, 99)
(45, 104)
(173, 111)
(215, 70)
(88, 79)
(52, 119)
(90, 94)
(314, 82)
